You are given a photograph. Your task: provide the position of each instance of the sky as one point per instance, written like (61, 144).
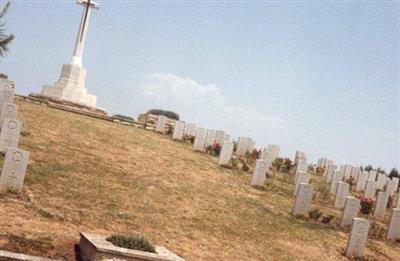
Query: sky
(322, 77)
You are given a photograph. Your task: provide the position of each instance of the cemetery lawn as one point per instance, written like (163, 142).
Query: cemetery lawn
(91, 175)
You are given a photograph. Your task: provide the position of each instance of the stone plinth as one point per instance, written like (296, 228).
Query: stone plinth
(71, 86)
(94, 247)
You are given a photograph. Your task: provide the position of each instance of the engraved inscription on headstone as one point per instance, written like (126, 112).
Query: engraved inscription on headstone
(358, 237)
(161, 124)
(394, 225)
(259, 172)
(381, 204)
(200, 140)
(10, 131)
(9, 110)
(303, 199)
(226, 154)
(350, 211)
(14, 168)
(342, 190)
(178, 130)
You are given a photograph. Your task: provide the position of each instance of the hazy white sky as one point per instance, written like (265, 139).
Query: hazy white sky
(321, 77)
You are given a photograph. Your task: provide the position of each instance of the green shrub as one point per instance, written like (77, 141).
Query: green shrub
(169, 114)
(314, 214)
(136, 242)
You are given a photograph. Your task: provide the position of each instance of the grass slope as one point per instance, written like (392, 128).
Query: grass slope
(91, 175)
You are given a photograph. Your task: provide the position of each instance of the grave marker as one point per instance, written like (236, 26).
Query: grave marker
(178, 130)
(10, 131)
(161, 124)
(226, 154)
(200, 140)
(337, 176)
(342, 190)
(258, 177)
(303, 199)
(370, 189)
(14, 168)
(358, 237)
(301, 177)
(381, 204)
(350, 211)
(361, 181)
(394, 225)
(9, 110)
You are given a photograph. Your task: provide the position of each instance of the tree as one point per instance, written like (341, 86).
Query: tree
(394, 173)
(368, 168)
(5, 39)
(169, 114)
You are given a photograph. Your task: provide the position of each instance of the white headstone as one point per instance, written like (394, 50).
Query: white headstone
(301, 177)
(358, 237)
(337, 176)
(370, 189)
(303, 199)
(299, 154)
(178, 130)
(226, 154)
(227, 138)
(394, 225)
(258, 177)
(269, 154)
(381, 182)
(347, 171)
(6, 95)
(398, 201)
(361, 181)
(9, 110)
(200, 140)
(372, 175)
(381, 204)
(10, 131)
(210, 138)
(350, 211)
(220, 136)
(244, 145)
(342, 190)
(190, 129)
(355, 172)
(14, 168)
(329, 173)
(161, 124)
(392, 185)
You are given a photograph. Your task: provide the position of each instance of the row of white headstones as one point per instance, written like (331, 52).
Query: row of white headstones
(368, 182)
(16, 160)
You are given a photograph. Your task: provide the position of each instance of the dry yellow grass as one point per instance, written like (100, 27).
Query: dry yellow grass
(91, 175)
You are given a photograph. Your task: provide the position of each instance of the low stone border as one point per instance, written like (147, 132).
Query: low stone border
(10, 256)
(95, 247)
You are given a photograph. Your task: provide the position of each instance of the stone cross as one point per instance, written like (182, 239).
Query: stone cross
(14, 168)
(80, 38)
(342, 190)
(358, 237)
(200, 139)
(10, 131)
(394, 225)
(381, 204)
(226, 154)
(258, 177)
(350, 211)
(303, 199)
(178, 130)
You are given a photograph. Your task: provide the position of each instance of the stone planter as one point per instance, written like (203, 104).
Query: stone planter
(96, 248)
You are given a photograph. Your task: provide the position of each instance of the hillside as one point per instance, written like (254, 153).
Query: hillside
(92, 175)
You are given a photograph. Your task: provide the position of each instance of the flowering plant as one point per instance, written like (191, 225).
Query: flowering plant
(366, 204)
